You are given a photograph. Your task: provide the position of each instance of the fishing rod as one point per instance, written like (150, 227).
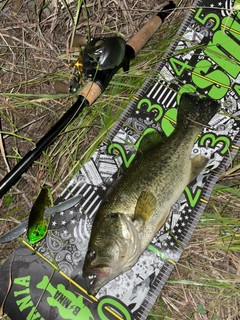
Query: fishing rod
(100, 62)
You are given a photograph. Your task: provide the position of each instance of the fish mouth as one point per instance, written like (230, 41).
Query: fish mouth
(99, 275)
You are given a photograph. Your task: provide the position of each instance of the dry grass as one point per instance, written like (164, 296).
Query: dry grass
(206, 282)
(35, 51)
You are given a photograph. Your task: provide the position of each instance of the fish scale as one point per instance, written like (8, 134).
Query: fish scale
(140, 202)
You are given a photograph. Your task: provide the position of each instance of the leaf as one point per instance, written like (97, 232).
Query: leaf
(8, 200)
(200, 309)
(229, 189)
(214, 317)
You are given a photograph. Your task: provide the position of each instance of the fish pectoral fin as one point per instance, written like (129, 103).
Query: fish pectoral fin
(149, 141)
(199, 162)
(145, 206)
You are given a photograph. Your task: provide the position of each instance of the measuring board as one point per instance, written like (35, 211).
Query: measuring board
(49, 284)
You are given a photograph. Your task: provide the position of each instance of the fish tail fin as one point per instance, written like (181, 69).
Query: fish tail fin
(197, 110)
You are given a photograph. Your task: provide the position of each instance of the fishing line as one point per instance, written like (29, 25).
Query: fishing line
(55, 267)
(9, 283)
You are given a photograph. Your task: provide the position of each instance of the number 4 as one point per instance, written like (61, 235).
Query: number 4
(179, 66)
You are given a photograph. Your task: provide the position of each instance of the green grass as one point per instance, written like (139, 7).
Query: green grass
(206, 279)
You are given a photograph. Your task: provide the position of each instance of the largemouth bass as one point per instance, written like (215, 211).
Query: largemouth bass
(139, 204)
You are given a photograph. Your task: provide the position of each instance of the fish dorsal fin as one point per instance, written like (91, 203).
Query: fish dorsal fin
(145, 206)
(149, 140)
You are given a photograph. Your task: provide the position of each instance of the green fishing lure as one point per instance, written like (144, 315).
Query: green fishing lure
(37, 223)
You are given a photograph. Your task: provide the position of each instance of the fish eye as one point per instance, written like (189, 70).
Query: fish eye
(114, 215)
(91, 255)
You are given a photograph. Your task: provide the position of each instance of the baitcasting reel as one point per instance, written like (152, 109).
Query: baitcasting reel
(100, 54)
